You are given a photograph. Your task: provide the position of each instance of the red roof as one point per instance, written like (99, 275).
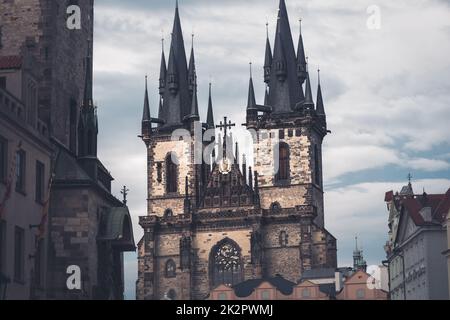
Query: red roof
(439, 204)
(10, 62)
(389, 196)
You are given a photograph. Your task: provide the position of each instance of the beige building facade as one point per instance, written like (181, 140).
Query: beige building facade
(25, 168)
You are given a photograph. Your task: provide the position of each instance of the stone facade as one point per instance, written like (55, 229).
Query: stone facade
(42, 26)
(224, 224)
(86, 226)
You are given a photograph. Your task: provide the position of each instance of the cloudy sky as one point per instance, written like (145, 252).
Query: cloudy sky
(386, 92)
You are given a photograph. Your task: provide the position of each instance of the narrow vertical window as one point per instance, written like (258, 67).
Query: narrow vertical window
(171, 175)
(20, 171)
(159, 171)
(3, 159)
(284, 239)
(19, 254)
(283, 171)
(316, 165)
(171, 269)
(40, 174)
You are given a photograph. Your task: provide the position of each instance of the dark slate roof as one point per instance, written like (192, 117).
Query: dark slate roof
(68, 168)
(318, 273)
(210, 115)
(116, 227)
(319, 101)
(244, 289)
(146, 112)
(11, 62)
(284, 95)
(177, 106)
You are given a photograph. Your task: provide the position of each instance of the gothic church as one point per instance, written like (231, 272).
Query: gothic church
(225, 223)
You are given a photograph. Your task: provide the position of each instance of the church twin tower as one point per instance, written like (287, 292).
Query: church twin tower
(225, 223)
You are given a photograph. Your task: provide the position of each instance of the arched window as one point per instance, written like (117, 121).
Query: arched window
(275, 207)
(171, 174)
(283, 162)
(225, 264)
(168, 213)
(284, 238)
(171, 269)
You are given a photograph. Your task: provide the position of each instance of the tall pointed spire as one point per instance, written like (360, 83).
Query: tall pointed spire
(251, 104)
(268, 59)
(176, 98)
(162, 71)
(146, 112)
(194, 115)
(319, 101)
(301, 58)
(285, 88)
(192, 71)
(210, 115)
(146, 119)
(172, 72)
(308, 103)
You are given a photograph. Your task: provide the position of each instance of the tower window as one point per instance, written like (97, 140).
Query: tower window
(281, 134)
(283, 171)
(171, 174)
(168, 213)
(284, 238)
(159, 172)
(275, 207)
(290, 133)
(171, 268)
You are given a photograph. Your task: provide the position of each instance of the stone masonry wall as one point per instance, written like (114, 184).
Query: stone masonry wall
(60, 53)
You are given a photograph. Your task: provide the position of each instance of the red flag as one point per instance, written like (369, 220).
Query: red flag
(45, 208)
